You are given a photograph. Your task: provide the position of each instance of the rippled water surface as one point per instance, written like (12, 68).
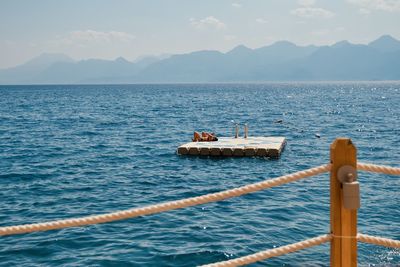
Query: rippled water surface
(68, 151)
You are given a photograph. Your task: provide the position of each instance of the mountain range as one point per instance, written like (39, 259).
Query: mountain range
(281, 61)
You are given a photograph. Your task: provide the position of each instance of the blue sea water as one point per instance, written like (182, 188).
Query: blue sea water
(73, 150)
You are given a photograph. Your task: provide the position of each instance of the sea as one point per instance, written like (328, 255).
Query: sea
(76, 150)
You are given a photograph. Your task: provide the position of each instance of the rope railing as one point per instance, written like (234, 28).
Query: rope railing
(162, 207)
(378, 168)
(270, 253)
(380, 241)
(218, 196)
(266, 254)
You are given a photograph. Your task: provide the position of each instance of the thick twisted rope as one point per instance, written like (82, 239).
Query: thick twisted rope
(266, 254)
(380, 241)
(378, 168)
(166, 206)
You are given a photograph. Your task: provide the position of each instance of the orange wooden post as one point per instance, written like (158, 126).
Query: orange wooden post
(343, 221)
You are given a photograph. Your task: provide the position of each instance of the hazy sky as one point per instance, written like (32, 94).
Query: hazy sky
(129, 28)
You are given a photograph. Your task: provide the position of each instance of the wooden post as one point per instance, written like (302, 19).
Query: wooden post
(343, 221)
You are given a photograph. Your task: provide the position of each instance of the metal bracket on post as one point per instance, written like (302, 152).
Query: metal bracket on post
(347, 175)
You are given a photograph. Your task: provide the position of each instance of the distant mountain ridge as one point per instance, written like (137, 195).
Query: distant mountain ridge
(281, 61)
(31, 69)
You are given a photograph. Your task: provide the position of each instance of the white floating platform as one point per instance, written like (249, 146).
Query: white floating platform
(236, 147)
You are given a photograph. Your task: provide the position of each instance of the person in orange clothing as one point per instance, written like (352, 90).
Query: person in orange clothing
(204, 137)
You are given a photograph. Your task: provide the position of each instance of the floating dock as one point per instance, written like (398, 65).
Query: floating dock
(236, 147)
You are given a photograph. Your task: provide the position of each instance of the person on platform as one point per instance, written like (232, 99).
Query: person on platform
(204, 137)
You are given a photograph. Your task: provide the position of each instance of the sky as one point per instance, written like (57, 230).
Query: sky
(131, 29)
